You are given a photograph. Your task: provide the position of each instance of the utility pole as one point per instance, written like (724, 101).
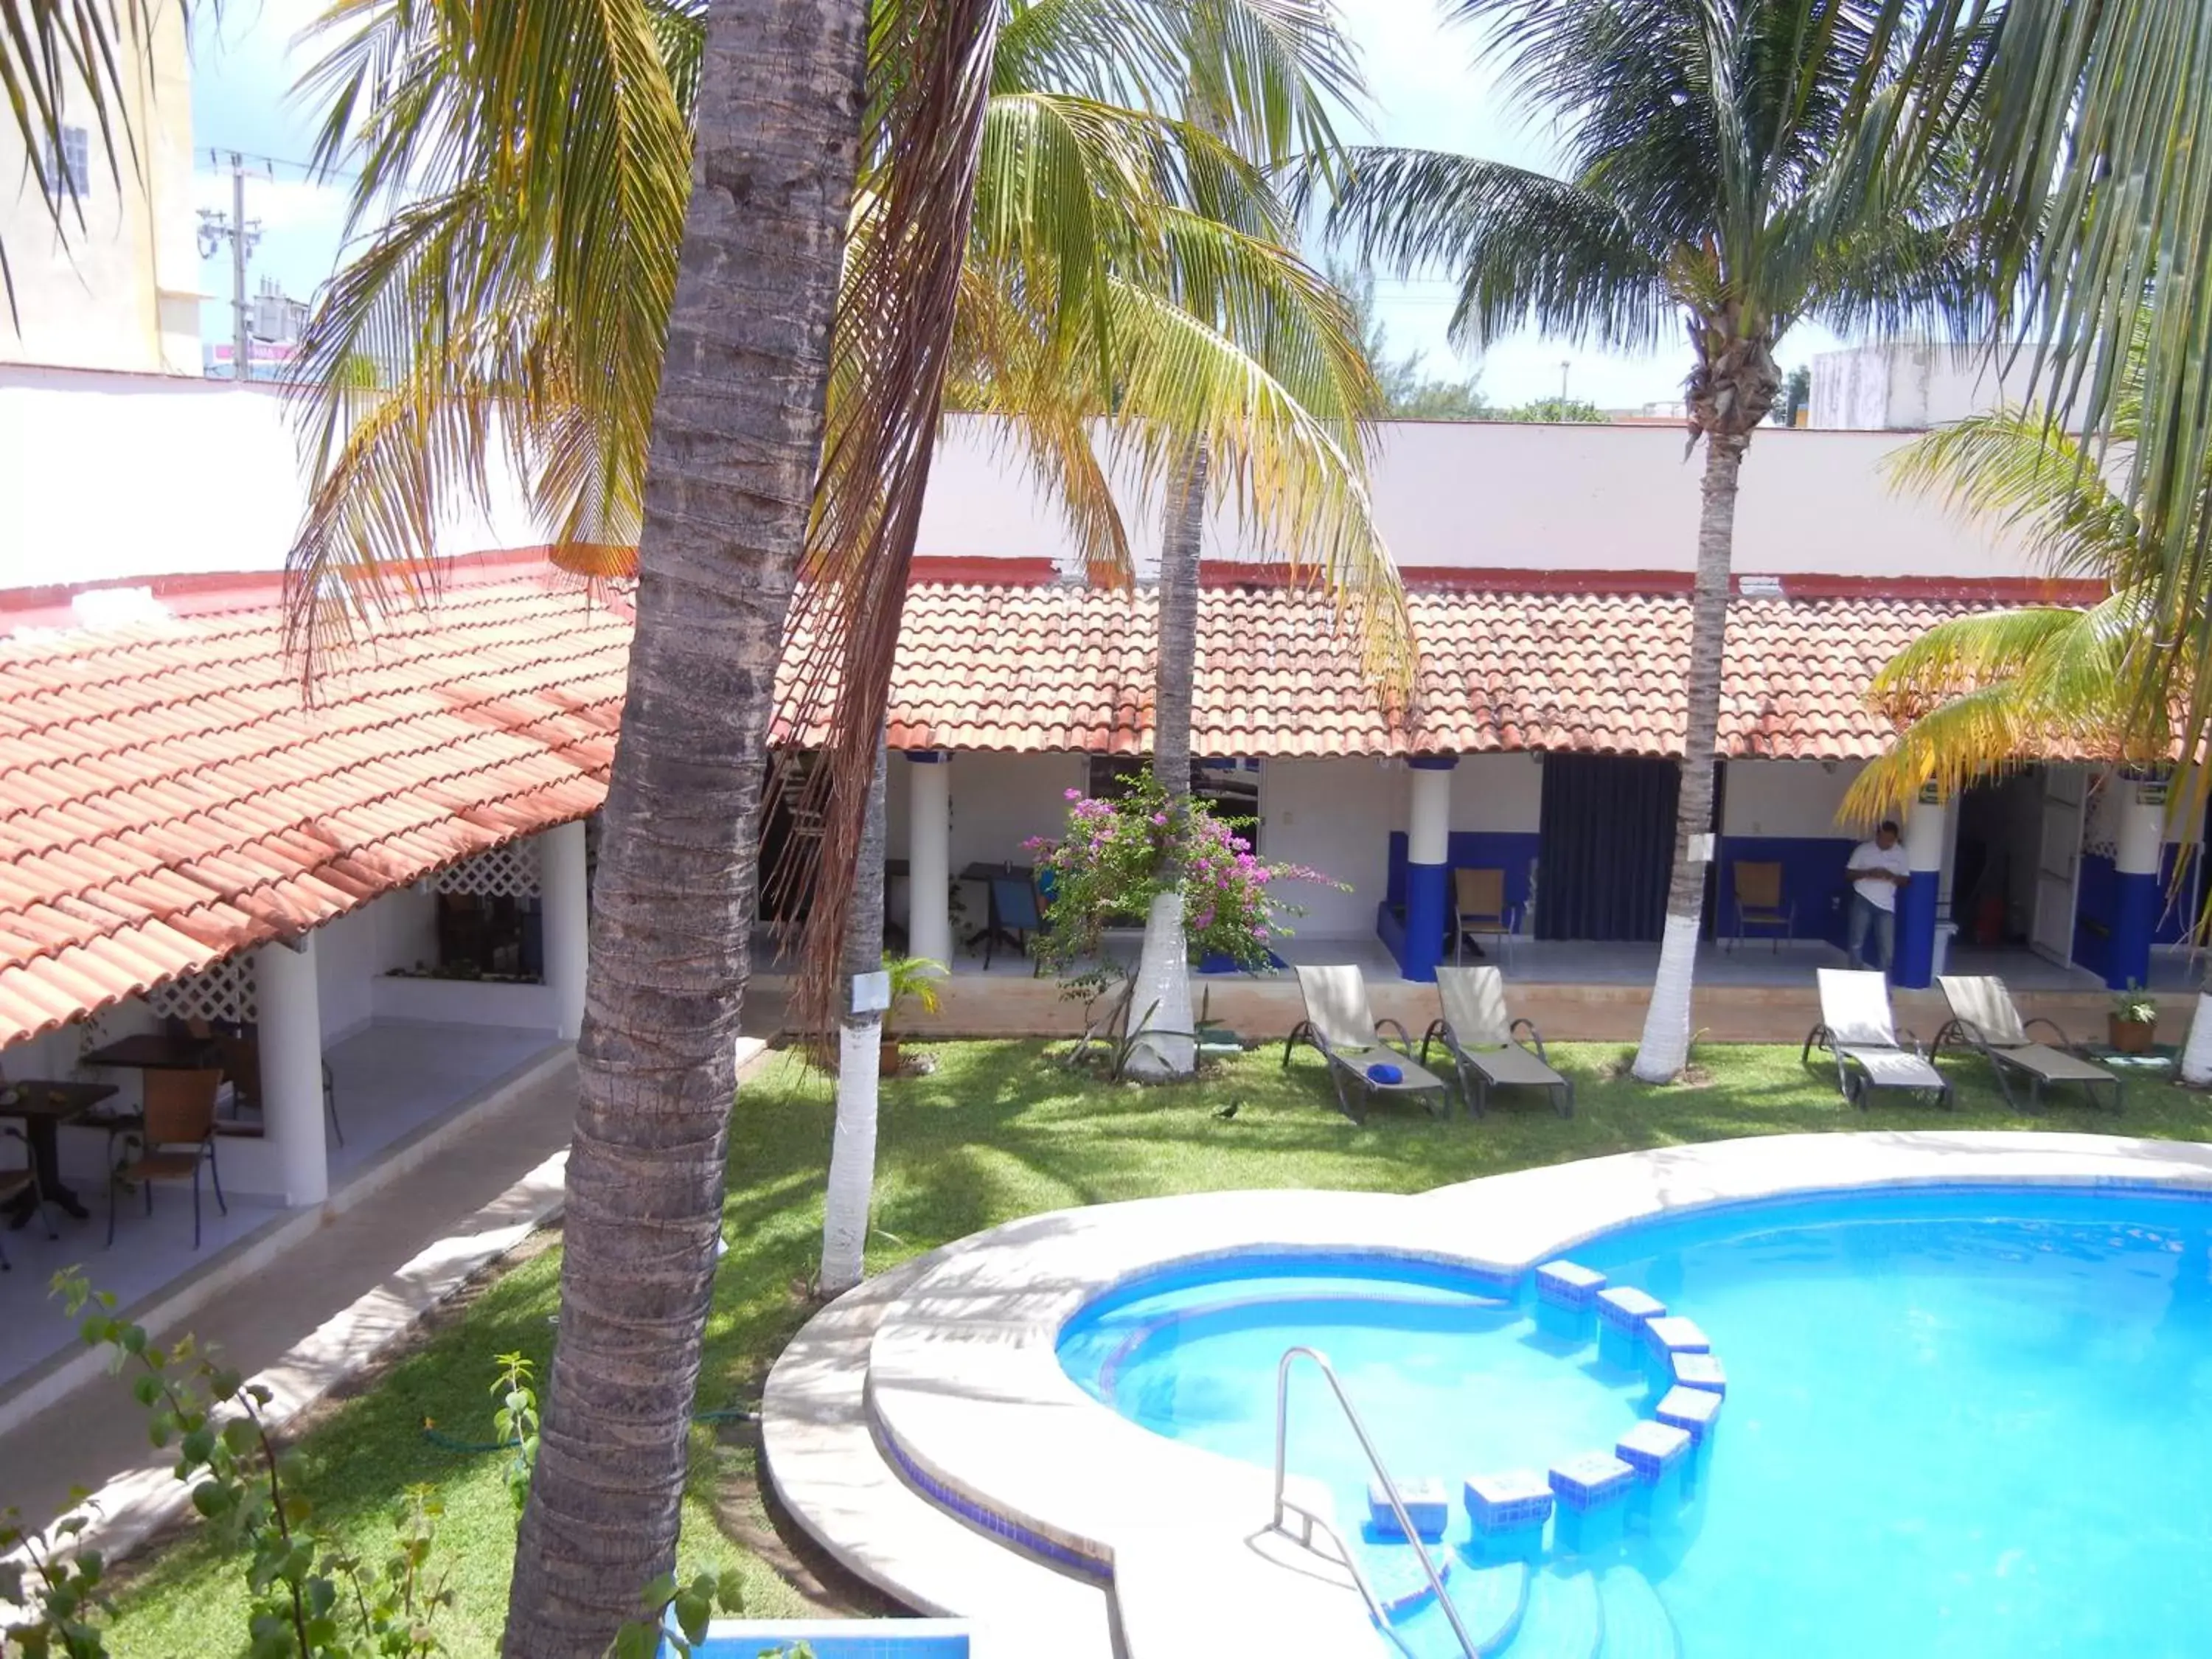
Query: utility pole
(1565, 363)
(242, 234)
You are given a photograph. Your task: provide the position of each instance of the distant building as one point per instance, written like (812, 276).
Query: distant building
(1909, 388)
(120, 290)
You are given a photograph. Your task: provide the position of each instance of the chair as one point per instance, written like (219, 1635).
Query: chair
(1014, 908)
(1340, 1025)
(1479, 907)
(240, 1056)
(1985, 1018)
(15, 1182)
(178, 1137)
(1759, 904)
(1485, 1044)
(1856, 1027)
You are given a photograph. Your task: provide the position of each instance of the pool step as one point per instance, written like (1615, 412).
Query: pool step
(1637, 1623)
(1489, 1601)
(1562, 1619)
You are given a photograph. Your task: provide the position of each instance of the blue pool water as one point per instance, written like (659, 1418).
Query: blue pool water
(1959, 1422)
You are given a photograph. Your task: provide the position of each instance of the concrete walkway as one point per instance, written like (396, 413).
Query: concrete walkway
(326, 1304)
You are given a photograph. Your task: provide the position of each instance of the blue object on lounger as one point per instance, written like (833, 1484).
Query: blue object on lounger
(1384, 1072)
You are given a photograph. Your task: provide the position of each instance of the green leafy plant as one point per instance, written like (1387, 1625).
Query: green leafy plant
(677, 1613)
(309, 1598)
(2134, 1007)
(913, 979)
(1118, 854)
(516, 1422)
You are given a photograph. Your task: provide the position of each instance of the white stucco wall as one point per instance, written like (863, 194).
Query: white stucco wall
(1336, 817)
(999, 801)
(1910, 387)
(1501, 793)
(215, 485)
(1786, 798)
(347, 959)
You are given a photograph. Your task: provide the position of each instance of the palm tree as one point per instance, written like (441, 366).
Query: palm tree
(850, 1192)
(1720, 179)
(737, 432)
(1979, 693)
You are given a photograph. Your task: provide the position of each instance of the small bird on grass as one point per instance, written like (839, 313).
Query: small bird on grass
(1225, 1113)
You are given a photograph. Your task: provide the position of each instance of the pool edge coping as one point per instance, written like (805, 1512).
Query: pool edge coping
(963, 1379)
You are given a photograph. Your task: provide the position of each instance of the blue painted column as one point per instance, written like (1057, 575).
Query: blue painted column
(2138, 849)
(1428, 867)
(1925, 834)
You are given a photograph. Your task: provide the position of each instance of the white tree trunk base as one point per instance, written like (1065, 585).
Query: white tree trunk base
(1162, 1003)
(852, 1157)
(1665, 1049)
(2196, 1053)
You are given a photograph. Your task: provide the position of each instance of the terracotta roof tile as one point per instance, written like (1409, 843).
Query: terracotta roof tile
(166, 798)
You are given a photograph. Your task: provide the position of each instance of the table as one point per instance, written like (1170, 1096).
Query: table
(42, 1108)
(150, 1051)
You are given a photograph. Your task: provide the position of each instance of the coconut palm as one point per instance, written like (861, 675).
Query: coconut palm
(737, 433)
(1733, 166)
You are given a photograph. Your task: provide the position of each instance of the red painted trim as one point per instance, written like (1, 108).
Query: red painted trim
(979, 570)
(1503, 579)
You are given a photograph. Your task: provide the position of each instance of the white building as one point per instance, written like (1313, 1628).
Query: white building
(1909, 388)
(120, 290)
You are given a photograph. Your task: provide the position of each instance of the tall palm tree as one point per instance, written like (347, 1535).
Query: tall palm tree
(849, 1194)
(1721, 178)
(737, 433)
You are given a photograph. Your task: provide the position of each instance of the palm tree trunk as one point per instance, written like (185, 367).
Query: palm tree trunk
(737, 435)
(860, 1049)
(1665, 1046)
(1163, 996)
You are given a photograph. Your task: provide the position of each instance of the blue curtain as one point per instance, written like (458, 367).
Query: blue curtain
(1608, 847)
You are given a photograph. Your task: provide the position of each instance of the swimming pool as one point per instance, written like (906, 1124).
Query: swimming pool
(1957, 1422)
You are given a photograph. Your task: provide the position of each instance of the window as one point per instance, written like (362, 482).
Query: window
(1230, 787)
(69, 163)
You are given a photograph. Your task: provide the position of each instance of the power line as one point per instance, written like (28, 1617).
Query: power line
(219, 155)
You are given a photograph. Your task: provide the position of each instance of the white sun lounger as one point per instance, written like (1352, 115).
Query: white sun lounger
(1342, 1025)
(1856, 1027)
(1985, 1018)
(1485, 1041)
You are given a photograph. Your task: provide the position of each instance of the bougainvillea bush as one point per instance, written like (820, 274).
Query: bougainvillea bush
(1114, 860)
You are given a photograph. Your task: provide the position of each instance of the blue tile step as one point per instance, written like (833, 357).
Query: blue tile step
(1562, 1619)
(1488, 1600)
(1637, 1623)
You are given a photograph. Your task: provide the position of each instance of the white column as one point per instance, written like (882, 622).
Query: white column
(929, 858)
(1428, 824)
(291, 1027)
(564, 915)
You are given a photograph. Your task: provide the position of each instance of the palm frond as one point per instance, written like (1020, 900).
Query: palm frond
(2012, 470)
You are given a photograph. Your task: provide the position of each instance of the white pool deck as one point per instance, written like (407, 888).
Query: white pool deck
(952, 1360)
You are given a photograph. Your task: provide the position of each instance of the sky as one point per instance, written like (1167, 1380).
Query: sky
(1425, 88)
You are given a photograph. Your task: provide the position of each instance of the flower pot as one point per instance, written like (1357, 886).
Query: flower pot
(887, 1058)
(2129, 1036)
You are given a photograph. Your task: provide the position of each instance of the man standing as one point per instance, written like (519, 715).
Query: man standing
(1878, 868)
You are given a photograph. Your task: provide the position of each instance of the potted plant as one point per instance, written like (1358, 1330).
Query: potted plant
(913, 979)
(2133, 1023)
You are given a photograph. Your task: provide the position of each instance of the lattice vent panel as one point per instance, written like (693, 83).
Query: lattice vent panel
(2101, 825)
(222, 994)
(509, 872)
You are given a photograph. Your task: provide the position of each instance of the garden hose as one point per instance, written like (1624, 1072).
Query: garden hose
(438, 1438)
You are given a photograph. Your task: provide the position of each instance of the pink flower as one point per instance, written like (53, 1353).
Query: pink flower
(1160, 818)
(1073, 794)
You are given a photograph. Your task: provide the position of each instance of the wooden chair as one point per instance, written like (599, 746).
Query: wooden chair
(1479, 907)
(178, 1137)
(240, 1057)
(1759, 904)
(15, 1182)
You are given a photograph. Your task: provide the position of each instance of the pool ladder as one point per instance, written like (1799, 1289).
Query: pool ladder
(1285, 1505)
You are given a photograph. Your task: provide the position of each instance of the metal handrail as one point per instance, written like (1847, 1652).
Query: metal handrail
(1285, 1504)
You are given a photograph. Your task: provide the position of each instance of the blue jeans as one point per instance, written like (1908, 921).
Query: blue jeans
(1865, 913)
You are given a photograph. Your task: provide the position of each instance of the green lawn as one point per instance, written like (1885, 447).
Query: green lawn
(998, 1132)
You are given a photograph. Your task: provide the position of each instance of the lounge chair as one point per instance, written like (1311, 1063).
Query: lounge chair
(1856, 1028)
(1985, 1018)
(1485, 1044)
(1340, 1022)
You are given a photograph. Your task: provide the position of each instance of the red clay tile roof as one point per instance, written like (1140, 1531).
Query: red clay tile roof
(167, 799)
(1061, 668)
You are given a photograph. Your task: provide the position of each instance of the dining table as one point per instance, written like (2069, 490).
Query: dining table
(42, 1108)
(154, 1051)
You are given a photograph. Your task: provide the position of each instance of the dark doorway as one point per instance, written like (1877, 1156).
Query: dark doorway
(1608, 847)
